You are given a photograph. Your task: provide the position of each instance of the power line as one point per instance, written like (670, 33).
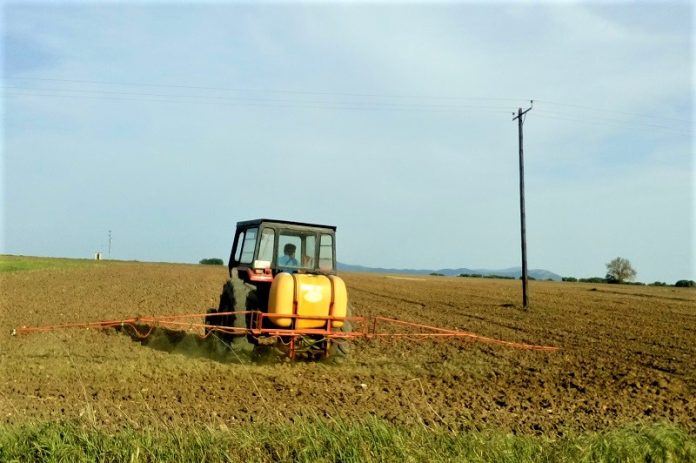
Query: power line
(545, 115)
(239, 99)
(617, 118)
(354, 105)
(260, 102)
(594, 109)
(340, 94)
(323, 105)
(239, 89)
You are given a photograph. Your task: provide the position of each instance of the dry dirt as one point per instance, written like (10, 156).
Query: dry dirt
(627, 355)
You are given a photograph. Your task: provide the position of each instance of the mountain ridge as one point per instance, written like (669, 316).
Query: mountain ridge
(514, 272)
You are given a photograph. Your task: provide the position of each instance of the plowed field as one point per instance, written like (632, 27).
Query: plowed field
(627, 355)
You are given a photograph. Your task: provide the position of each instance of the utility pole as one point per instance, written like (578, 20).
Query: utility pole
(523, 226)
(109, 244)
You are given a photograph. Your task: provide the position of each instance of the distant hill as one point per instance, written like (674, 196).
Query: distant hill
(514, 272)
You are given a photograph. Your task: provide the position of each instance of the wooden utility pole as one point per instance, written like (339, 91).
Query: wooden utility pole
(523, 226)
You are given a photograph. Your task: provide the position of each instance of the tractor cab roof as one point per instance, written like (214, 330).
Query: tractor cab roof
(257, 222)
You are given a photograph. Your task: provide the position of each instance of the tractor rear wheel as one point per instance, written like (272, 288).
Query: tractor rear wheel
(232, 299)
(340, 348)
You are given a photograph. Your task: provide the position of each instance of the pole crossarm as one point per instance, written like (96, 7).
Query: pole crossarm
(521, 113)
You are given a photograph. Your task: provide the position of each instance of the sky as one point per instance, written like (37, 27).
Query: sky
(166, 123)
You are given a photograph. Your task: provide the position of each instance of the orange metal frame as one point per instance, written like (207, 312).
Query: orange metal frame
(368, 328)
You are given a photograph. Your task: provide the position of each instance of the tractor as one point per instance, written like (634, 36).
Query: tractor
(283, 290)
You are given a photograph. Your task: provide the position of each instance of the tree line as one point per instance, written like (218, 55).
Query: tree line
(620, 271)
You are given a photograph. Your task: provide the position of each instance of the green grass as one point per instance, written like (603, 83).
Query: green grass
(328, 441)
(22, 263)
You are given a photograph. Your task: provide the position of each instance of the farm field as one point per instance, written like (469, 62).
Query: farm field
(626, 356)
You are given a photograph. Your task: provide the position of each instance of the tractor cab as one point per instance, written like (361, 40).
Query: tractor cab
(263, 248)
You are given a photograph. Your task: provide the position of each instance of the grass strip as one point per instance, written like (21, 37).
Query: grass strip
(26, 263)
(336, 441)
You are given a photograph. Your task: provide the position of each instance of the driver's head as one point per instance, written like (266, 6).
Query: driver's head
(289, 249)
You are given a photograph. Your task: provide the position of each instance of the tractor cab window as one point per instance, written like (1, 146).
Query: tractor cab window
(288, 249)
(248, 246)
(296, 250)
(326, 262)
(266, 245)
(307, 256)
(238, 249)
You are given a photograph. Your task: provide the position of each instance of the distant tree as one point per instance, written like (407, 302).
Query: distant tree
(571, 279)
(685, 284)
(620, 270)
(435, 274)
(212, 261)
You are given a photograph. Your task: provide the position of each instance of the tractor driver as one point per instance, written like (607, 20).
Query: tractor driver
(288, 257)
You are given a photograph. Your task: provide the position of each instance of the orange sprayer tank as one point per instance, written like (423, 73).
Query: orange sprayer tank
(307, 295)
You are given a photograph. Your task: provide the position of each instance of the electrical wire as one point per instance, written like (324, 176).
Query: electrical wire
(260, 102)
(625, 124)
(240, 99)
(246, 90)
(594, 109)
(621, 119)
(354, 102)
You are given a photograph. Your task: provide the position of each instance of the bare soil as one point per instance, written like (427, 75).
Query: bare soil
(627, 355)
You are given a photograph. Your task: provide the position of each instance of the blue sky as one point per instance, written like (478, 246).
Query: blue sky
(168, 123)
